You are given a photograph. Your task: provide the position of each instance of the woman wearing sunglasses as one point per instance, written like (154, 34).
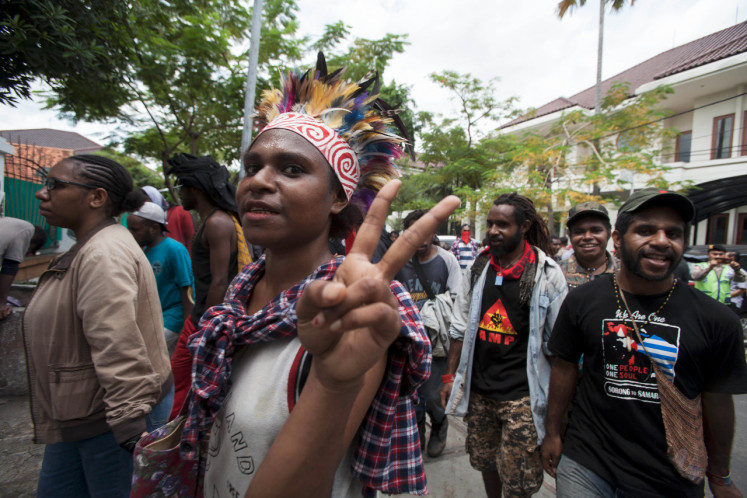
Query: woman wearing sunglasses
(96, 355)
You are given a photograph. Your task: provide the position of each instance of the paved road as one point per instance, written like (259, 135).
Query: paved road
(20, 459)
(739, 449)
(449, 476)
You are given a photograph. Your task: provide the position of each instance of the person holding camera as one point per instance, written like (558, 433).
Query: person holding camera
(714, 277)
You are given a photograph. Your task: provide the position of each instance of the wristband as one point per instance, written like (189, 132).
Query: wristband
(448, 379)
(719, 480)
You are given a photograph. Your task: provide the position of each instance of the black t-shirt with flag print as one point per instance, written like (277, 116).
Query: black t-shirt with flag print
(615, 427)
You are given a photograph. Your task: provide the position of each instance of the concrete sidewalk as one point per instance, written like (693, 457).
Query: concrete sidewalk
(451, 476)
(20, 459)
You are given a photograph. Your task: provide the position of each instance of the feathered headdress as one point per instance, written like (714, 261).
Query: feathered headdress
(345, 120)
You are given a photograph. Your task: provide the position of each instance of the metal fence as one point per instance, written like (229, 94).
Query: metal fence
(23, 177)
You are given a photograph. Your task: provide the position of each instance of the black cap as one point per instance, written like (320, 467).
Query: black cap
(587, 209)
(647, 196)
(716, 247)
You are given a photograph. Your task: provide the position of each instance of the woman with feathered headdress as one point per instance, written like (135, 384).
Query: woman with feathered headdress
(305, 375)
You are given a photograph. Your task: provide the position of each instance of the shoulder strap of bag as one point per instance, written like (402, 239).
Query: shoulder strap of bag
(656, 367)
(683, 421)
(421, 276)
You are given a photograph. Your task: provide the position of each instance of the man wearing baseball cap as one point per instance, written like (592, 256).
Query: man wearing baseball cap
(589, 229)
(616, 444)
(171, 266)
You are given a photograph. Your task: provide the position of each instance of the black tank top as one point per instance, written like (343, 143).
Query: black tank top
(201, 270)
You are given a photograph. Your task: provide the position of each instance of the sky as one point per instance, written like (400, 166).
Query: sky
(537, 56)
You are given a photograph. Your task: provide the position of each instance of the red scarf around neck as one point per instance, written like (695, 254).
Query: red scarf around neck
(514, 272)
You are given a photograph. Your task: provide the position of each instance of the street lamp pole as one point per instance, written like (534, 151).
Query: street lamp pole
(251, 79)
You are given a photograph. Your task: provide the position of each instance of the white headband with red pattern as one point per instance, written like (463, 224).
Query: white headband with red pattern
(333, 147)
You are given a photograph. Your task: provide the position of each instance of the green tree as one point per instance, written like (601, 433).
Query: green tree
(173, 71)
(141, 174)
(182, 86)
(455, 158)
(361, 57)
(567, 6)
(364, 55)
(68, 44)
(583, 150)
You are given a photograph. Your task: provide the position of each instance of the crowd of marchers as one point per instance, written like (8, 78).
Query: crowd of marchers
(303, 349)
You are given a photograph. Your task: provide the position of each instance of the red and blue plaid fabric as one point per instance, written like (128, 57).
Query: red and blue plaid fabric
(387, 456)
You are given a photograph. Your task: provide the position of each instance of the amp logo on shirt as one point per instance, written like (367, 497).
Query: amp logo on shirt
(628, 373)
(495, 326)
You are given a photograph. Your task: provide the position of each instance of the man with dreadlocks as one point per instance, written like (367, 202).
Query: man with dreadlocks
(218, 249)
(505, 312)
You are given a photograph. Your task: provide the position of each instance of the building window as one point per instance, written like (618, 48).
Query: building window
(682, 147)
(742, 229)
(723, 128)
(744, 134)
(717, 227)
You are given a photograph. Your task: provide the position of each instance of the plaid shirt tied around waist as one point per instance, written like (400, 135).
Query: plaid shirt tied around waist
(387, 456)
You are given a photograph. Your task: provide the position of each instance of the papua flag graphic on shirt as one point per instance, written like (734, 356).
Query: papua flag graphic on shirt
(628, 373)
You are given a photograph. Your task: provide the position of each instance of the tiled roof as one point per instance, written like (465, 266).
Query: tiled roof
(720, 45)
(46, 137)
(718, 51)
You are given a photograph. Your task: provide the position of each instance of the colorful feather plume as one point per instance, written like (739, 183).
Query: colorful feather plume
(353, 110)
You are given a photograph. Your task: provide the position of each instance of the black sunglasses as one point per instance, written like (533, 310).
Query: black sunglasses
(52, 183)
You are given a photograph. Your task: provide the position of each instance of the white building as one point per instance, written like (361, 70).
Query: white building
(709, 108)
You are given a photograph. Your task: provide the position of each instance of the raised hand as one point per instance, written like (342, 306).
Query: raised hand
(348, 323)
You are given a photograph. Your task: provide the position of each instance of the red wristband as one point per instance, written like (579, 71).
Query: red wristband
(719, 480)
(448, 379)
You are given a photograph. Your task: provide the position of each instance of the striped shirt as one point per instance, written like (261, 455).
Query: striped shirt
(464, 253)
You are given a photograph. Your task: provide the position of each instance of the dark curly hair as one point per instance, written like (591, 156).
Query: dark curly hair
(342, 223)
(538, 234)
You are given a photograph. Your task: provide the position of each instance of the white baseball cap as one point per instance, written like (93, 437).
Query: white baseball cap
(153, 212)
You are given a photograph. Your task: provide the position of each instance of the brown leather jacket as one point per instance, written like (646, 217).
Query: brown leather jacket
(95, 350)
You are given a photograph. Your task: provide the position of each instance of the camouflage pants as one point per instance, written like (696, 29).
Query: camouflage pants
(501, 435)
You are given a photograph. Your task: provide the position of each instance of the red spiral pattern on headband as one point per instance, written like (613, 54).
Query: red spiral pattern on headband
(333, 147)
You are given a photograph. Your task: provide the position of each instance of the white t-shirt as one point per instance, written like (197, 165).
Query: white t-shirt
(265, 384)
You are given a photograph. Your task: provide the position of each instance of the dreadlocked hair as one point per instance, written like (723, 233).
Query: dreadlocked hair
(524, 210)
(102, 172)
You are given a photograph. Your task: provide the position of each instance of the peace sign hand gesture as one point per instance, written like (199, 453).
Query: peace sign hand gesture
(348, 323)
